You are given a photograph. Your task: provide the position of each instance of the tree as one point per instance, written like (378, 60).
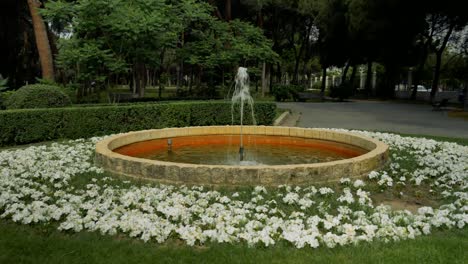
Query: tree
(216, 44)
(449, 18)
(385, 32)
(42, 40)
(463, 69)
(423, 45)
(121, 37)
(333, 32)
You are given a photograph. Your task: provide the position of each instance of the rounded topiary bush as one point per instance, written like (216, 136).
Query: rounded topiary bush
(38, 96)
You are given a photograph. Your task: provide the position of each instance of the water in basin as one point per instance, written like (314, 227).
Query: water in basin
(224, 150)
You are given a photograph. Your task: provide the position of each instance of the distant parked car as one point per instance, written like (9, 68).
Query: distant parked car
(422, 88)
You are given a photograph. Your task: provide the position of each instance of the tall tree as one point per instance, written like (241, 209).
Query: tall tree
(42, 40)
(449, 18)
(384, 37)
(423, 47)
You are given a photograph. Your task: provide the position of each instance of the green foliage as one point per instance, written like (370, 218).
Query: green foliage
(113, 36)
(88, 60)
(34, 125)
(286, 92)
(3, 93)
(3, 83)
(4, 97)
(219, 43)
(46, 82)
(38, 96)
(342, 91)
(317, 85)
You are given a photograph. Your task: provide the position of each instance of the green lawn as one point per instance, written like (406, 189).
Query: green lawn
(26, 244)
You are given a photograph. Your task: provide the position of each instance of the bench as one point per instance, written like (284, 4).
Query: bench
(438, 106)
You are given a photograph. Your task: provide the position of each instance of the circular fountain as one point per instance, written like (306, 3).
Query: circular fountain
(241, 155)
(124, 154)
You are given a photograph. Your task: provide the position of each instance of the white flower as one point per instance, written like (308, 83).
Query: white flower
(347, 196)
(291, 198)
(358, 184)
(326, 191)
(35, 187)
(345, 181)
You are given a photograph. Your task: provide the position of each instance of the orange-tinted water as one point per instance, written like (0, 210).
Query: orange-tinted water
(223, 149)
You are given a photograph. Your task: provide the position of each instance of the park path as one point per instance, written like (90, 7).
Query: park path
(380, 116)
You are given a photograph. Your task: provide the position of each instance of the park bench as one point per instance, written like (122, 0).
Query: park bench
(438, 106)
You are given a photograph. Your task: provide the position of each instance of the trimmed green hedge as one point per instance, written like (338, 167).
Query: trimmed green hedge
(35, 125)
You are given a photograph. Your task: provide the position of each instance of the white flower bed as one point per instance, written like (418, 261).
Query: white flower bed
(35, 187)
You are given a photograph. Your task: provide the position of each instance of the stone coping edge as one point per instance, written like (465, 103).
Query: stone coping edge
(281, 118)
(225, 175)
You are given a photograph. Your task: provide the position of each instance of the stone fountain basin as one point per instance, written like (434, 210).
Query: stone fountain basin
(225, 175)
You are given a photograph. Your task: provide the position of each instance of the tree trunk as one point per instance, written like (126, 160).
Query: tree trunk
(352, 78)
(279, 74)
(465, 101)
(161, 86)
(324, 81)
(180, 67)
(435, 80)
(260, 20)
(419, 71)
(295, 79)
(391, 73)
(191, 81)
(345, 73)
(228, 9)
(270, 76)
(200, 74)
(368, 88)
(178, 82)
(134, 83)
(161, 71)
(137, 84)
(42, 41)
(144, 80)
(264, 80)
(439, 53)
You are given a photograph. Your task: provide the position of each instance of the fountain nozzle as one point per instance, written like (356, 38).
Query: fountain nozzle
(241, 153)
(169, 145)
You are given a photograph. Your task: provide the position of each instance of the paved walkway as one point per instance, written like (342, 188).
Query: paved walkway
(381, 116)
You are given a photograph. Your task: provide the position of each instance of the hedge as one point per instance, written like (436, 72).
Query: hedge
(35, 125)
(38, 96)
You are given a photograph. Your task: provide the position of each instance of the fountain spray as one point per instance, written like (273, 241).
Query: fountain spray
(241, 95)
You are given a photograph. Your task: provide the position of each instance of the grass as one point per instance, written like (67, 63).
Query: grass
(26, 244)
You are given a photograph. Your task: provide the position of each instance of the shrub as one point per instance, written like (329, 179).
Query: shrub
(38, 96)
(34, 125)
(317, 86)
(343, 91)
(283, 92)
(4, 95)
